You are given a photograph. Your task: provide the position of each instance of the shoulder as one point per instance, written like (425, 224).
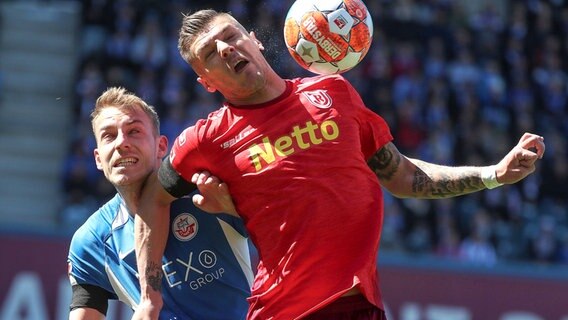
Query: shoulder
(185, 207)
(88, 249)
(329, 83)
(213, 118)
(332, 79)
(203, 128)
(97, 227)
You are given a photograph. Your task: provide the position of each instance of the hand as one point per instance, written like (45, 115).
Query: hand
(214, 196)
(147, 310)
(520, 161)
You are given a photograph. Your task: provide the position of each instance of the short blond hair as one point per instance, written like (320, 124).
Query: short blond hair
(192, 26)
(122, 99)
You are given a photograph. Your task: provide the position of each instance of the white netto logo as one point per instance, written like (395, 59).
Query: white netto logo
(184, 227)
(319, 98)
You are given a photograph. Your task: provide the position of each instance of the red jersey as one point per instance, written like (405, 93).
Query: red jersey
(297, 171)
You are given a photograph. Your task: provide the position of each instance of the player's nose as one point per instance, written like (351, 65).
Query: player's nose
(224, 48)
(122, 141)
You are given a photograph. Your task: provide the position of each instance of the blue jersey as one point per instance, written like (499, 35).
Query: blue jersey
(206, 264)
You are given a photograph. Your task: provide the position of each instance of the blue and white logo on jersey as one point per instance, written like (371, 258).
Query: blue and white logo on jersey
(184, 227)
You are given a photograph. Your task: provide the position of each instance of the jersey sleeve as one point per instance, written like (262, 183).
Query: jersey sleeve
(87, 257)
(375, 132)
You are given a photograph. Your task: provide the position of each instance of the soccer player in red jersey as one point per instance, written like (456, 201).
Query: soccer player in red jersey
(304, 160)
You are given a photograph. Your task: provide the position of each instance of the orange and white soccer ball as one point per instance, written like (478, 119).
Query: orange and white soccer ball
(328, 36)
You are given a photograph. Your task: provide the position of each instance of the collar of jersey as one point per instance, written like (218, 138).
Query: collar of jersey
(284, 95)
(122, 215)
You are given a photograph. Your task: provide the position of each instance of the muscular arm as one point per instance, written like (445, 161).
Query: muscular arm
(405, 177)
(151, 232)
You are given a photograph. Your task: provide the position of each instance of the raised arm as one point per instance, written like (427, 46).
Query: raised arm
(413, 178)
(151, 232)
(152, 225)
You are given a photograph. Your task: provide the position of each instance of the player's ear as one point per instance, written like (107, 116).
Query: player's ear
(206, 85)
(162, 146)
(258, 43)
(98, 159)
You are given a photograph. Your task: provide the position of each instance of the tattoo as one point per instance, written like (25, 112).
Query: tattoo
(421, 182)
(154, 276)
(422, 179)
(385, 162)
(433, 181)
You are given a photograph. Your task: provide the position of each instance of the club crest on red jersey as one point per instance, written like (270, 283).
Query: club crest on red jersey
(184, 227)
(319, 98)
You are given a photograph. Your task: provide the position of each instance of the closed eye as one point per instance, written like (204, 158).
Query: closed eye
(209, 54)
(107, 137)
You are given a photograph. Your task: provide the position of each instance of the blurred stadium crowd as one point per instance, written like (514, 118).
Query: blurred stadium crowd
(458, 82)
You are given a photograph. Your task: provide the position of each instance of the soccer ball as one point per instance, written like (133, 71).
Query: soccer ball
(328, 36)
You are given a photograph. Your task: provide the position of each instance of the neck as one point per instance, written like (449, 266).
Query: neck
(130, 195)
(273, 87)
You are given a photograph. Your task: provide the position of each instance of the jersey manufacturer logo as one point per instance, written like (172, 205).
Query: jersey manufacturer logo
(319, 98)
(184, 227)
(124, 254)
(236, 139)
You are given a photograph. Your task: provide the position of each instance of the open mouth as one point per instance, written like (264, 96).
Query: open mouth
(126, 162)
(241, 65)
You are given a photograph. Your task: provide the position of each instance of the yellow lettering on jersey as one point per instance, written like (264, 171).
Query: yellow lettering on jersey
(282, 146)
(329, 130)
(302, 137)
(267, 154)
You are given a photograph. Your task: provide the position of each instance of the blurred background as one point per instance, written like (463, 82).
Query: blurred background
(458, 81)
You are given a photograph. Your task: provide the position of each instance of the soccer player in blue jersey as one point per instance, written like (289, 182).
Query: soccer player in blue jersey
(206, 264)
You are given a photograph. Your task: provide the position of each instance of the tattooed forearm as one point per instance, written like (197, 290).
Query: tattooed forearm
(385, 162)
(434, 181)
(154, 276)
(406, 177)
